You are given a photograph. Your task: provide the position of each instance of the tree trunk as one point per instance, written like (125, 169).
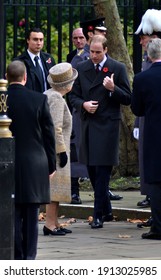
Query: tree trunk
(117, 49)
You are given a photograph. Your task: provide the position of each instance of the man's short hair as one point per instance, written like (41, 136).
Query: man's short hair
(34, 29)
(16, 71)
(100, 39)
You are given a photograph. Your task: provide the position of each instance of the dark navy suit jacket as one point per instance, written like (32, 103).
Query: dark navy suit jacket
(146, 101)
(33, 81)
(35, 156)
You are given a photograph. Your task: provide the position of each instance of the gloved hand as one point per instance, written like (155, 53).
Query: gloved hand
(63, 159)
(136, 133)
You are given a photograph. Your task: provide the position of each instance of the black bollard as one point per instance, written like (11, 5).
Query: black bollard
(6, 180)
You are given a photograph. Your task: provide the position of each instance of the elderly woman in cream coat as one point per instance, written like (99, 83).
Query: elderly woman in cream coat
(61, 78)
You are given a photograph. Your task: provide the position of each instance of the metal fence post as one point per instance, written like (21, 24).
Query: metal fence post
(6, 164)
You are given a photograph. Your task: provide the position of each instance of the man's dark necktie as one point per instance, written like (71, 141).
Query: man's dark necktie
(39, 72)
(97, 68)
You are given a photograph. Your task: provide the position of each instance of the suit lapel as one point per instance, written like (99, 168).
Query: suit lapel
(90, 72)
(46, 63)
(34, 72)
(31, 65)
(97, 79)
(29, 62)
(33, 68)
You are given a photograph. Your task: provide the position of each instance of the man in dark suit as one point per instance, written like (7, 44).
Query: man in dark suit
(71, 55)
(79, 42)
(150, 27)
(102, 85)
(35, 157)
(35, 43)
(146, 101)
(77, 170)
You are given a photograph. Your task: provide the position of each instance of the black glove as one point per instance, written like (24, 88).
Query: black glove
(63, 159)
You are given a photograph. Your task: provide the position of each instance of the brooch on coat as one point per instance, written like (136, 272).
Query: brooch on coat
(105, 69)
(49, 60)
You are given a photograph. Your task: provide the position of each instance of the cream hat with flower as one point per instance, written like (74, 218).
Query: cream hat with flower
(62, 74)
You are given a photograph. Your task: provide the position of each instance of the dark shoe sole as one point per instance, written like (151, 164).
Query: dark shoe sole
(116, 197)
(143, 225)
(146, 224)
(56, 232)
(151, 235)
(95, 226)
(143, 204)
(65, 230)
(76, 202)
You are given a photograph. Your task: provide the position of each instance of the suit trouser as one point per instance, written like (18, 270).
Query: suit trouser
(26, 231)
(100, 177)
(155, 204)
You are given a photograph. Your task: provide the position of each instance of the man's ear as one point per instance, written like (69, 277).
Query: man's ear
(90, 34)
(25, 78)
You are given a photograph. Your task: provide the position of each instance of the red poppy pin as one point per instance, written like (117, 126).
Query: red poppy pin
(90, 27)
(105, 69)
(49, 60)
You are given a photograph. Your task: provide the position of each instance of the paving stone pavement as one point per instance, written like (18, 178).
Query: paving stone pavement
(118, 239)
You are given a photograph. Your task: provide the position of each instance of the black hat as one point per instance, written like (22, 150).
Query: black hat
(100, 24)
(93, 24)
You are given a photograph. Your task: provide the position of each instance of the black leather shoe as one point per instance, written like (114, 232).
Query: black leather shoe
(114, 196)
(151, 235)
(148, 223)
(65, 230)
(83, 179)
(107, 218)
(144, 203)
(55, 231)
(76, 199)
(97, 224)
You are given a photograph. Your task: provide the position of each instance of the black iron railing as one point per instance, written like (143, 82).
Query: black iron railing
(57, 18)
